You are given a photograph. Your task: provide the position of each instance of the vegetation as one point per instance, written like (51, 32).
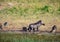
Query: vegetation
(13, 37)
(19, 13)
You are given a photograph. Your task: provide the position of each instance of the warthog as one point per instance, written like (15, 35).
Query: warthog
(24, 29)
(54, 28)
(35, 26)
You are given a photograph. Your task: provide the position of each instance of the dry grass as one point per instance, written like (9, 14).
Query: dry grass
(23, 12)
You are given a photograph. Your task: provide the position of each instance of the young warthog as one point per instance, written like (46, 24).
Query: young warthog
(35, 26)
(54, 29)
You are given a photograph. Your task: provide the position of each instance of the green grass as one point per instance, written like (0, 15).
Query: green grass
(13, 37)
